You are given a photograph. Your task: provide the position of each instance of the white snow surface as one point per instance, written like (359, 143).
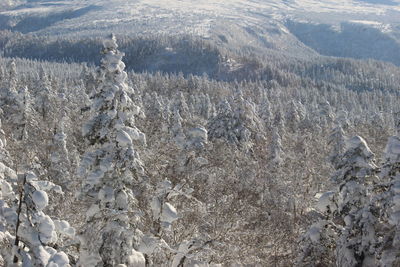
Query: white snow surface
(315, 233)
(392, 151)
(136, 259)
(325, 202)
(64, 228)
(59, 259)
(169, 213)
(41, 199)
(148, 244)
(287, 26)
(198, 17)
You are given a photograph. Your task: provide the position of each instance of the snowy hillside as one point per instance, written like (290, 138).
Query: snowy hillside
(298, 27)
(201, 133)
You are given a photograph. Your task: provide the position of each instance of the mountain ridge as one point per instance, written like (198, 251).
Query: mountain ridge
(306, 27)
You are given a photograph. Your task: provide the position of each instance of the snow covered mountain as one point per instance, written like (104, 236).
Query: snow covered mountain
(359, 29)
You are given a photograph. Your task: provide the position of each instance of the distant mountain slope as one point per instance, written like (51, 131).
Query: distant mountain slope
(344, 28)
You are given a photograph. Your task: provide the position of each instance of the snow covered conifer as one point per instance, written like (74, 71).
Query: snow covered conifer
(228, 125)
(24, 130)
(206, 108)
(111, 168)
(347, 211)
(390, 247)
(337, 140)
(221, 125)
(44, 99)
(11, 87)
(326, 114)
(88, 79)
(279, 121)
(60, 163)
(356, 162)
(293, 115)
(246, 114)
(181, 105)
(276, 148)
(265, 112)
(177, 129)
(23, 116)
(356, 169)
(8, 94)
(397, 122)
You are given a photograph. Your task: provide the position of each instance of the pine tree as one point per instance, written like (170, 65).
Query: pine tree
(276, 148)
(59, 159)
(181, 106)
(229, 125)
(88, 79)
(348, 216)
(23, 118)
(265, 112)
(390, 205)
(45, 98)
(177, 132)
(24, 130)
(111, 168)
(337, 140)
(10, 91)
(222, 125)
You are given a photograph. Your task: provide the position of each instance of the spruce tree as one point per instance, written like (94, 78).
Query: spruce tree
(111, 168)
(389, 200)
(347, 219)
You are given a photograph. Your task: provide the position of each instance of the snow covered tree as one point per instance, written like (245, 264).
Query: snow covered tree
(265, 112)
(24, 130)
(59, 158)
(279, 121)
(8, 200)
(326, 114)
(111, 169)
(23, 118)
(35, 232)
(27, 234)
(317, 245)
(44, 99)
(181, 105)
(10, 92)
(88, 79)
(221, 125)
(206, 107)
(337, 140)
(389, 249)
(177, 132)
(355, 174)
(348, 218)
(246, 115)
(197, 138)
(275, 148)
(159, 243)
(227, 124)
(293, 115)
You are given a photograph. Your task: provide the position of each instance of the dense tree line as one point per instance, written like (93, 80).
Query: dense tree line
(106, 167)
(196, 56)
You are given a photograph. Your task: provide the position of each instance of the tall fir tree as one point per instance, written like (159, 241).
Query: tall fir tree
(111, 169)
